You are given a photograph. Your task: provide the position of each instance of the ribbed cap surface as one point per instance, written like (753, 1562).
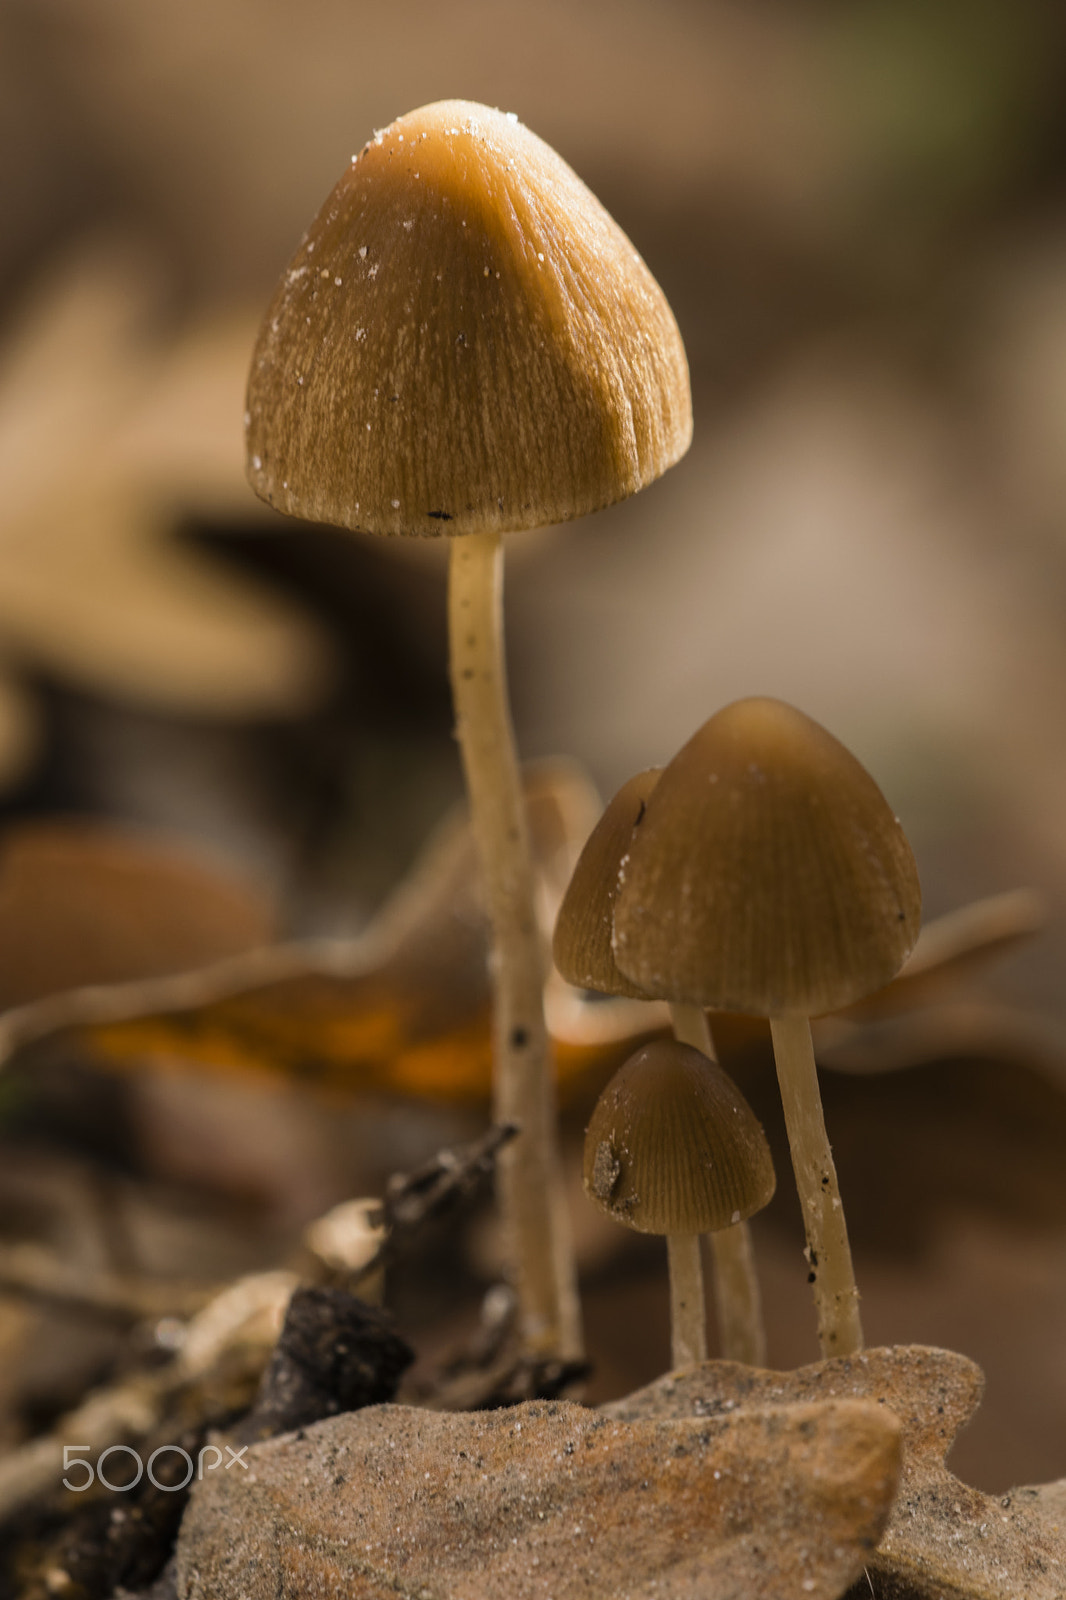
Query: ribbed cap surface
(465, 341)
(768, 874)
(581, 945)
(673, 1146)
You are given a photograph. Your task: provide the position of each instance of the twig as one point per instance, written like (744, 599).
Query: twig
(411, 1199)
(37, 1274)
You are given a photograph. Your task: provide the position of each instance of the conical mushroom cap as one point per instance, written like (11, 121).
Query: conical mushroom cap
(674, 1147)
(768, 874)
(465, 341)
(581, 944)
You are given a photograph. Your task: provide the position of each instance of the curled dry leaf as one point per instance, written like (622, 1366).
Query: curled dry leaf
(83, 902)
(405, 1008)
(920, 1016)
(953, 1029)
(956, 944)
(943, 1539)
(549, 1499)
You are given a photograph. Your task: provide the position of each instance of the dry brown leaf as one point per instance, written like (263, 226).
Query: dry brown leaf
(185, 442)
(102, 442)
(944, 1539)
(408, 1009)
(956, 944)
(919, 1016)
(96, 589)
(83, 902)
(404, 1009)
(548, 1500)
(972, 1028)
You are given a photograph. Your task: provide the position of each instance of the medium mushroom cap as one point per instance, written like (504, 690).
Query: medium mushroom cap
(581, 944)
(465, 341)
(674, 1147)
(768, 874)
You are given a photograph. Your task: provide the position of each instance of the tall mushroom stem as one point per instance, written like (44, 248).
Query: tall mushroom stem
(832, 1279)
(738, 1302)
(531, 1200)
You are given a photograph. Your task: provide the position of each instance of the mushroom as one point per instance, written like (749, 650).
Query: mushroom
(583, 954)
(769, 876)
(581, 943)
(673, 1147)
(466, 343)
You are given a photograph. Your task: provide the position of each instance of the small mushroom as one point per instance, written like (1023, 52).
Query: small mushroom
(673, 1148)
(769, 876)
(465, 344)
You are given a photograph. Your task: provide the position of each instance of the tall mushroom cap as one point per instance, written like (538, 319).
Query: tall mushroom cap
(768, 874)
(465, 341)
(581, 944)
(673, 1146)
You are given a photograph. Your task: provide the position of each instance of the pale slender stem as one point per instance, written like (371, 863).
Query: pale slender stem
(532, 1204)
(688, 1312)
(738, 1302)
(832, 1279)
(741, 1327)
(691, 1027)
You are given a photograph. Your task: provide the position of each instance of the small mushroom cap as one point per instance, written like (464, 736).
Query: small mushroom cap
(674, 1147)
(768, 874)
(464, 341)
(582, 941)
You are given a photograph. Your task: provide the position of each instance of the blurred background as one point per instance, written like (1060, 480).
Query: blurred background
(858, 213)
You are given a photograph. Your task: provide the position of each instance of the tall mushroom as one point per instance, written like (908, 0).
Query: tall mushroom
(466, 343)
(769, 876)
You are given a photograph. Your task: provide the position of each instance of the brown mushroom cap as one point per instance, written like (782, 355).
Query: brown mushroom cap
(464, 341)
(768, 874)
(581, 944)
(674, 1147)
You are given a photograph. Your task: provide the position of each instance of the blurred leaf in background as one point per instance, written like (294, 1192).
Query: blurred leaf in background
(109, 429)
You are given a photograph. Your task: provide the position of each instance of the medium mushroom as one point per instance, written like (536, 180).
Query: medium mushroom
(769, 876)
(581, 943)
(673, 1148)
(584, 955)
(466, 343)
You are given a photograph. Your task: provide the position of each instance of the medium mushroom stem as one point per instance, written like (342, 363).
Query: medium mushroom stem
(741, 1327)
(738, 1302)
(691, 1026)
(688, 1316)
(836, 1297)
(531, 1197)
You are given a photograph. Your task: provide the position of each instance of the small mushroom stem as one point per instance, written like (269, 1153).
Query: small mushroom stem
(688, 1313)
(832, 1279)
(531, 1199)
(738, 1301)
